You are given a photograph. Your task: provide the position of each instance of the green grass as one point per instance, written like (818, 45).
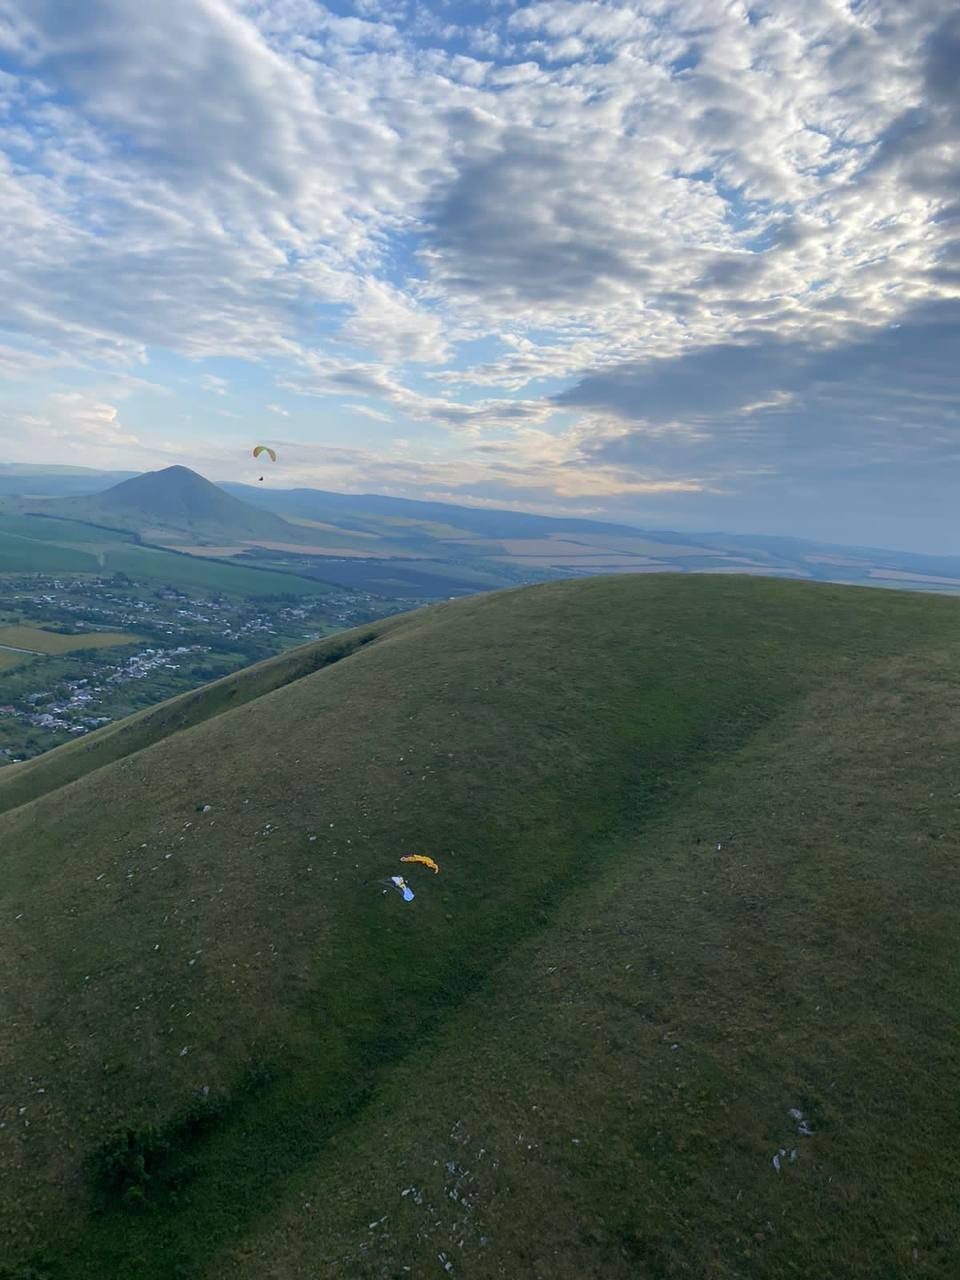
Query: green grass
(31, 543)
(192, 572)
(22, 554)
(45, 529)
(54, 769)
(650, 1043)
(8, 660)
(19, 554)
(571, 754)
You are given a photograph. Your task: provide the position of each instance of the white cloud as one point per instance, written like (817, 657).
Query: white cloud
(393, 327)
(575, 186)
(329, 377)
(233, 164)
(17, 363)
(76, 427)
(367, 412)
(527, 467)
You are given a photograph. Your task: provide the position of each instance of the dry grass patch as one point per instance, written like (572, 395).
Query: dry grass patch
(38, 640)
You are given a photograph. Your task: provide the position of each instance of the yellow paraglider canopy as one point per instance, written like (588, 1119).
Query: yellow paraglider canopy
(265, 448)
(421, 857)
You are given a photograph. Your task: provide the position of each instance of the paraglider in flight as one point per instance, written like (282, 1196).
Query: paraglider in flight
(265, 448)
(420, 857)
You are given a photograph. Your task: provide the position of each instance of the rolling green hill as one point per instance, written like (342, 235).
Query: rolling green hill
(698, 844)
(174, 501)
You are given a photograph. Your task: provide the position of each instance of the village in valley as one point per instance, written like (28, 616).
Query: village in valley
(78, 652)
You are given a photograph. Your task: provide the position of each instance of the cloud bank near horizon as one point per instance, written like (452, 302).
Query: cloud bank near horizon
(693, 263)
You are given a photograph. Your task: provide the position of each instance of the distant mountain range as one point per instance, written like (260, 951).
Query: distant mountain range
(322, 504)
(32, 480)
(404, 547)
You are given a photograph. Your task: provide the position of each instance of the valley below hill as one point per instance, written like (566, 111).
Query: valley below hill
(394, 548)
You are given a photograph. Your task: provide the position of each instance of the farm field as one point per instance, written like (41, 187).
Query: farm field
(39, 640)
(45, 544)
(61, 532)
(189, 573)
(19, 554)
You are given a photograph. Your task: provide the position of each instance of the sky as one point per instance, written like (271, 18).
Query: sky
(689, 265)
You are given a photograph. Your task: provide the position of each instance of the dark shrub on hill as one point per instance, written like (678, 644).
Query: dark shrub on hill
(127, 1164)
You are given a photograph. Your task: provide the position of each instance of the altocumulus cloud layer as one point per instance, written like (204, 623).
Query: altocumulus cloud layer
(691, 263)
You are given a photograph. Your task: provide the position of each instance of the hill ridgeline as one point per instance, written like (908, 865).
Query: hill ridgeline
(175, 500)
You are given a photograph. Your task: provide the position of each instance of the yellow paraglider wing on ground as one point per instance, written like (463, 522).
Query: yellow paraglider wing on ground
(421, 857)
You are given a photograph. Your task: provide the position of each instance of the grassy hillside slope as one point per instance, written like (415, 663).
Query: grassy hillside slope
(571, 754)
(24, 782)
(174, 500)
(612, 1104)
